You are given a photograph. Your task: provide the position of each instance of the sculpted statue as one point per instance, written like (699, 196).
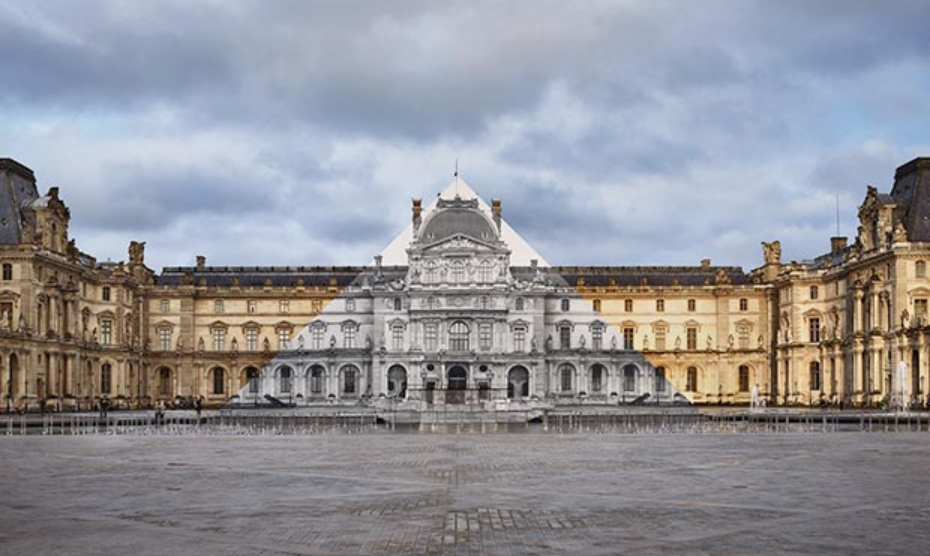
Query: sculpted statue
(136, 252)
(722, 277)
(549, 342)
(900, 234)
(5, 320)
(772, 252)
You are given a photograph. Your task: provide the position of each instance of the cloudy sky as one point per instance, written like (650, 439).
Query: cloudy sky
(621, 132)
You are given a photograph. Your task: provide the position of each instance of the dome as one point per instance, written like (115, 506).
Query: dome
(458, 220)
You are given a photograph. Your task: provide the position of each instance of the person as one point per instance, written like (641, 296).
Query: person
(104, 405)
(160, 412)
(198, 406)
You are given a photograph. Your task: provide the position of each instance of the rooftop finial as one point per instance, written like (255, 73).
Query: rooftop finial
(456, 177)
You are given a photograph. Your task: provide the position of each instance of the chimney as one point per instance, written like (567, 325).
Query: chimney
(837, 244)
(417, 212)
(201, 262)
(705, 263)
(496, 211)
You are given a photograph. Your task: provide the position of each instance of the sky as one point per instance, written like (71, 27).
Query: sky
(614, 132)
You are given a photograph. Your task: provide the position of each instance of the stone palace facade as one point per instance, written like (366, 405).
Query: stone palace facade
(460, 310)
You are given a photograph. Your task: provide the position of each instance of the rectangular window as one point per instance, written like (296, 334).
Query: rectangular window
(316, 337)
(484, 336)
(743, 378)
(284, 306)
(165, 305)
(251, 339)
(660, 379)
(350, 305)
(284, 338)
(106, 332)
(397, 337)
(596, 305)
(251, 305)
(660, 338)
(743, 332)
(627, 338)
(660, 305)
(218, 306)
(815, 292)
(814, 329)
(691, 384)
(349, 336)
(219, 339)
(349, 380)
(7, 271)
(597, 338)
(565, 337)
(164, 338)
(519, 339)
(692, 333)
(692, 305)
(431, 336)
(566, 380)
(628, 305)
(106, 293)
(743, 304)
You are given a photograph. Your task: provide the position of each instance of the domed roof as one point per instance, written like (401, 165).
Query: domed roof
(458, 217)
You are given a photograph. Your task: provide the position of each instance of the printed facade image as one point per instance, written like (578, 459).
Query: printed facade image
(460, 311)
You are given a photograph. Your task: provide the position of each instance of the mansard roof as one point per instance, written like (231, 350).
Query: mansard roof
(258, 276)
(912, 188)
(665, 276)
(458, 216)
(17, 191)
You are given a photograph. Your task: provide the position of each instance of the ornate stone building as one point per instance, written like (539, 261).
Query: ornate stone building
(460, 310)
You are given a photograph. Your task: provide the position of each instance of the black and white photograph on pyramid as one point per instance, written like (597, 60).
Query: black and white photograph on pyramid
(302, 277)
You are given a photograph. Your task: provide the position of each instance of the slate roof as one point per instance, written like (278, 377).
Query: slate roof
(17, 190)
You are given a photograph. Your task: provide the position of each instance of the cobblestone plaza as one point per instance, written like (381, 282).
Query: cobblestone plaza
(504, 493)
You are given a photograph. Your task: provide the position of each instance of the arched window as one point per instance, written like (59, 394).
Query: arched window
(457, 274)
(691, 385)
(106, 378)
(317, 374)
(284, 380)
(219, 380)
(518, 383)
(629, 378)
(743, 378)
(397, 381)
(485, 270)
(350, 381)
(458, 336)
(815, 383)
(430, 272)
(566, 377)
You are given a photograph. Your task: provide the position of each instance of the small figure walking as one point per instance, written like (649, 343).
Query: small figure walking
(198, 406)
(104, 406)
(159, 413)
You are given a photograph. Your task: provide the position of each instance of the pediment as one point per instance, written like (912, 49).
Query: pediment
(460, 243)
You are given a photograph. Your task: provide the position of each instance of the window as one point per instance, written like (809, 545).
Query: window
(661, 333)
(106, 332)
(349, 333)
(165, 305)
(920, 270)
(813, 326)
(629, 378)
(431, 336)
(628, 305)
(316, 380)
(815, 292)
(597, 337)
(660, 305)
(484, 336)
(691, 384)
(743, 378)
(219, 339)
(660, 379)
(566, 305)
(218, 306)
(316, 337)
(628, 338)
(398, 304)
(815, 383)
(692, 305)
(105, 294)
(251, 376)
(430, 273)
(316, 306)
(743, 332)
(743, 304)
(597, 378)
(485, 302)
(164, 381)
(164, 338)
(350, 381)
(457, 275)
(284, 375)
(596, 305)
(565, 336)
(691, 334)
(458, 336)
(7, 271)
(920, 310)
(106, 378)
(251, 339)
(350, 305)
(284, 306)
(284, 338)
(251, 305)
(565, 378)
(219, 380)
(485, 272)
(397, 336)
(519, 304)
(519, 339)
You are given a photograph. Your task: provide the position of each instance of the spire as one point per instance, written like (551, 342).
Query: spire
(456, 177)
